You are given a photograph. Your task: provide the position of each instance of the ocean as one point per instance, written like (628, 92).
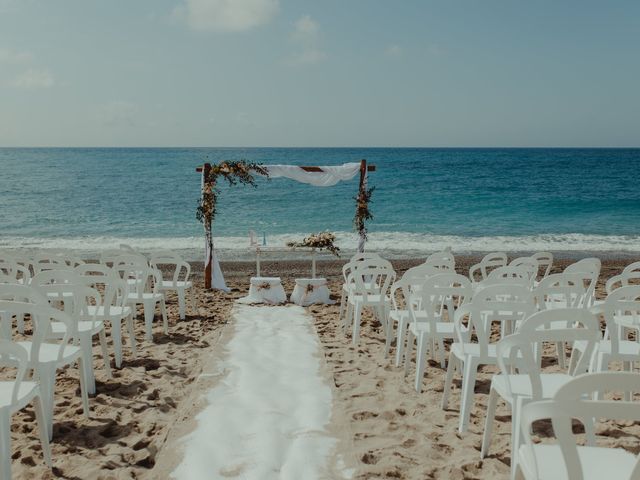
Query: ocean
(474, 200)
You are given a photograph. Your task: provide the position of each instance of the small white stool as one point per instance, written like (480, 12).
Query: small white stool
(311, 290)
(265, 290)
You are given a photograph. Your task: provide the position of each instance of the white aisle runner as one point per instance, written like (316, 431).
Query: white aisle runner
(266, 419)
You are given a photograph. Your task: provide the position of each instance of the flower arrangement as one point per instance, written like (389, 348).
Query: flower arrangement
(233, 172)
(320, 241)
(363, 213)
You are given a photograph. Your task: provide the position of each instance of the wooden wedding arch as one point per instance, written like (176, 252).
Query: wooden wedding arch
(362, 213)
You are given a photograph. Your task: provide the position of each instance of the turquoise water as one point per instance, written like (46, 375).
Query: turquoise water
(472, 199)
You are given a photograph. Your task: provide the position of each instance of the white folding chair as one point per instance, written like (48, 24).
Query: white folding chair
(488, 263)
(179, 279)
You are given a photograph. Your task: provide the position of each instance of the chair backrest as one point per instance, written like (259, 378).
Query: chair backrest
(67, 291)
(511, 275)
(373, 279)
(575, 400)
(12, 272)
(488, 263)
(55, 261)
(42, 315)
(13, 356)
(445, 256)
(180, 269)
(562, 290)
(629, 276)
(495, 303)
(112, 257)
(545, 262)
(591, 268)
(373, 260)
(522, 350)
(105, 279)
(445, 291)
(623, 304)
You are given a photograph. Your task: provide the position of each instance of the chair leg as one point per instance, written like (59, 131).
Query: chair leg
(83, 366)
(347, 318)
(407, 352)
(116, 338)
(468, 386)
(5, 444)
(442, 353)
(20, 322)
(389, 337)
(165, 318)
(132, 335)
(488, 426)
(448, 380)
(516, 433)
(102, 335)
(342, 300)
(561, 355)
(86, 345)
(41, 420)
(182, 307)
(420, 361)
(402, 329)
(149, 312)
(46, 376)
(356, 323)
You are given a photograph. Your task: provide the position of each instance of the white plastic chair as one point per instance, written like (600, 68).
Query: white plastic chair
(15, 394)
(348, 283)
(429, 326)
(564, 459)
(410, 283)
(144, 290)
(53, 260)
(496, 303)
(621, 310)
(114, 308)
(488, 263)
(521, 352)
(179, 281)
(44, 356)
(67, 291)
(371, 289)
(522, 275)
(545, 262)
(590, 267)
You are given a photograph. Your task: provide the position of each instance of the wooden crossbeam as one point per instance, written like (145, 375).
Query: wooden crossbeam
(307, 168)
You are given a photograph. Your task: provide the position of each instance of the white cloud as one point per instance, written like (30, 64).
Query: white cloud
(227, 15)
(306, 34)
(393, 51)
(306, 30)
(34, 78)
(12, 56)
(118, 114)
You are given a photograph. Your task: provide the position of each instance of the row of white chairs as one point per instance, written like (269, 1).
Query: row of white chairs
(531, 306)
(68, 302)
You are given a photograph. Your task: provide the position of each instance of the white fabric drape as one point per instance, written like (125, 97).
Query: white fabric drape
(217, 278)
(329, 176)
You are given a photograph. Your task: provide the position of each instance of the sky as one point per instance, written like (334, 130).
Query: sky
(329, 73)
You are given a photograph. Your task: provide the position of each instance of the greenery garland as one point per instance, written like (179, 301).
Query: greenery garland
(320, 241)
(363, 214)
(233, 172)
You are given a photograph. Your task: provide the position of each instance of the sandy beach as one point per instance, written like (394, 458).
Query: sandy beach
(384, 428)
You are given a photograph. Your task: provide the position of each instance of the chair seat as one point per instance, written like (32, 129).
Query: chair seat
(25, 393)
(473, 350)
(399, 315)
(521, 384)
(443, 329)
(58, 329)
(371, 299)
(49, 352)
(134, 298)
(114, 311)
(597, 462)
(626, 348)
(169, 285)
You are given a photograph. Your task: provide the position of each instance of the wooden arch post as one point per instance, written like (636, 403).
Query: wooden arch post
(208, 265)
